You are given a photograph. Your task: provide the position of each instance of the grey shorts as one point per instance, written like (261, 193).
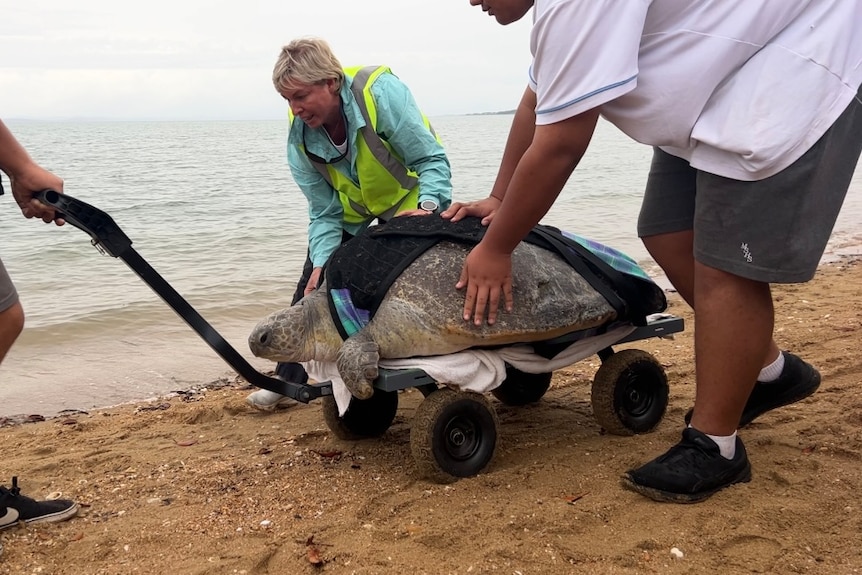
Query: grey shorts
(773, 230)
(8, 295)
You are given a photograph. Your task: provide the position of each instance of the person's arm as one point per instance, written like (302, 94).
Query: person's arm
(400, 122)
(573, 74)
(325, 212)
(13, 157)
(519, 139)
(27, 178)
(538, 178)
(535, 183)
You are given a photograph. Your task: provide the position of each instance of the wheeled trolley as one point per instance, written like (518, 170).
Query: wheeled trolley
(454, 433)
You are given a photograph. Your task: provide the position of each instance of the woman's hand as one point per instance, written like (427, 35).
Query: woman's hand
(313, 281)
(414, 212)
(485, 209)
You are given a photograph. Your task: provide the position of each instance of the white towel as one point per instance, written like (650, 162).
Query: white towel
(478, 370)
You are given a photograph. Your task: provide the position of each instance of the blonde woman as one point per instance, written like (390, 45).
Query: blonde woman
(360, 150)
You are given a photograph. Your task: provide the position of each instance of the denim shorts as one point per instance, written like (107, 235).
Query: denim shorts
(773, 230)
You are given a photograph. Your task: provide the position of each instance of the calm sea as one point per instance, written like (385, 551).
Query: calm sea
(212, 207)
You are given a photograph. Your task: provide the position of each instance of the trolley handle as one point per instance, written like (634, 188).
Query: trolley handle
(109, 238)
(105, 233)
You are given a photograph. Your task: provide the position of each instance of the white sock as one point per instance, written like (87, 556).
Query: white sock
(726, 444)
(772, 371)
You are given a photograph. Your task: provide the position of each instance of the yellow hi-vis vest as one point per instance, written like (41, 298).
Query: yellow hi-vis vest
(386, 186)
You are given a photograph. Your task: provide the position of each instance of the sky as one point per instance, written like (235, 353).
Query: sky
(213, 59)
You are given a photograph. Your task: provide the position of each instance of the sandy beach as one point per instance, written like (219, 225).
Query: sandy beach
(198, 483)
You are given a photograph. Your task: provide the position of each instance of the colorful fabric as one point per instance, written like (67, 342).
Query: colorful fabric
(614, 258)
(352, 318)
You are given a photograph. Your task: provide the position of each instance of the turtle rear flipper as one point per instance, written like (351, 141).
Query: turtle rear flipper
(357, 363)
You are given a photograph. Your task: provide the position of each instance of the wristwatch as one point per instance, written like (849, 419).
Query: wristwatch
(429, 206)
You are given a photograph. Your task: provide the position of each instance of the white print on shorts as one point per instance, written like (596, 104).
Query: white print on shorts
(746, 254)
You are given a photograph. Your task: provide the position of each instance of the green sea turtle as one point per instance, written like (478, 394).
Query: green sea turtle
(421, 315)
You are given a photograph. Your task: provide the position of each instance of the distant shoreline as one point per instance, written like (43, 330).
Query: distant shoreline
(501, 113)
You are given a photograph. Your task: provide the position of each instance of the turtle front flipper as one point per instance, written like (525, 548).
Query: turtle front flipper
(357, 364)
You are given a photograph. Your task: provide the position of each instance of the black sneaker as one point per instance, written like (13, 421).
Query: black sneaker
(15, 507)
(690, 471)
(797, 381)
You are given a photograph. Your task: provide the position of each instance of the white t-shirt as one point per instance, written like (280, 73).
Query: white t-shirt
(739, 88)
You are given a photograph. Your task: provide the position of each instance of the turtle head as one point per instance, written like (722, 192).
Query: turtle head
(283, 335)
(302, 332)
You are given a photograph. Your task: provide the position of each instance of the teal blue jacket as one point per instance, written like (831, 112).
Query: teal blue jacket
(401, 124)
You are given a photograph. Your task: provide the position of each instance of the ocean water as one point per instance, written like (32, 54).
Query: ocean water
(212, 208)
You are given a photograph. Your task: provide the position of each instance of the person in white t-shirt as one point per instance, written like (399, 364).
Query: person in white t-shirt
(754, 113)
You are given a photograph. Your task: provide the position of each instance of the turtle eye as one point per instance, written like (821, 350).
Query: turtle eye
(265, 337)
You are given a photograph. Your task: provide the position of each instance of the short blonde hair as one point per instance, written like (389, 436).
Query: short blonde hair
(306, 61)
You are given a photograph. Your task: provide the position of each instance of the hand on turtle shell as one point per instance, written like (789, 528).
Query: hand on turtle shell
(485, 208)
(485, 275)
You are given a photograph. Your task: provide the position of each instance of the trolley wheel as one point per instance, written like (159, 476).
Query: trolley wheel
(364, 417)
(454, 434)
(630, 392)
(521, 388)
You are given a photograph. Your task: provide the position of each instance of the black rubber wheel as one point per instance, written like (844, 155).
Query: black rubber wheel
(454, 434)
(630, 393)
(521, 388)
(364, 417)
